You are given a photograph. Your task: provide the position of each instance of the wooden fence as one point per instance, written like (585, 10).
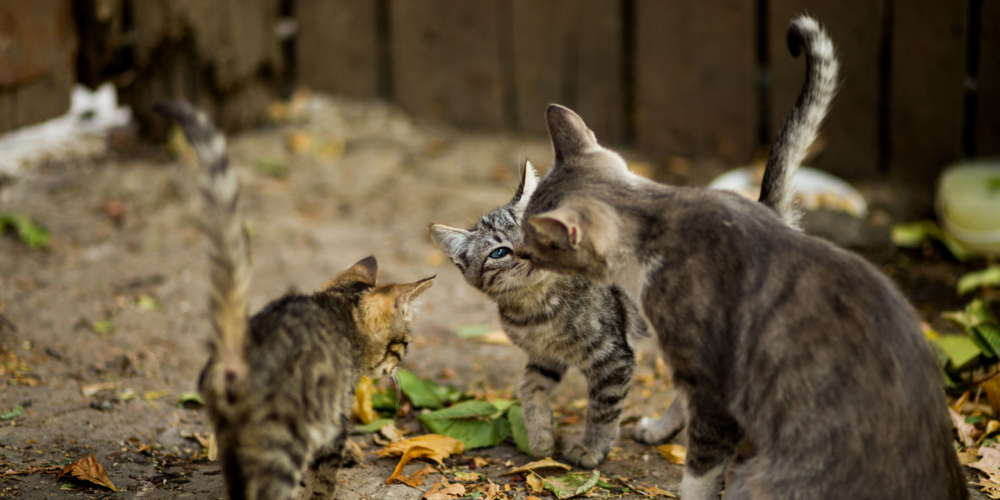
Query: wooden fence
(920, 78)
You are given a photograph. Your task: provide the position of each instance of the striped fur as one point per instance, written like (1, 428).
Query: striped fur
(279, 386)
(802, 125)
(559, 321)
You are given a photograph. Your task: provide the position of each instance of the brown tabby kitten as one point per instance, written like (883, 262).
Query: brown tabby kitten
(559, 321)
(279, 386)
(803, 348)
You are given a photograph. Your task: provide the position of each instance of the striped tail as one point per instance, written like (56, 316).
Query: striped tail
(802, 124)
(229, 250)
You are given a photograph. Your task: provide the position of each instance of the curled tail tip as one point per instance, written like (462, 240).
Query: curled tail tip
(805, 32)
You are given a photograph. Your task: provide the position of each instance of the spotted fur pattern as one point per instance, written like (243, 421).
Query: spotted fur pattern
(279, 386)
(559, 321)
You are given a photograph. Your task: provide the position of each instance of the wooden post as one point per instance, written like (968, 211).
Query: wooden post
(446, 60)
(695, 70)
(336, 47)
(927, 90)
(570, 52)
(987, 124)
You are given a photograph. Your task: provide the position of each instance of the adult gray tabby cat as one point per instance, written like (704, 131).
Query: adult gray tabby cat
(804, 349)
(279, 386)
(559, 321)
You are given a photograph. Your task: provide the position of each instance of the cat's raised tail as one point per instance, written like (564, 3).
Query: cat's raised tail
(229, 248)
(802, 125)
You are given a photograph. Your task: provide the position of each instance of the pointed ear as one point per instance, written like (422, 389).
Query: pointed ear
(365, 271)
(405, 294)
(449, 240)
(560, 225)
(529, 181)
(570, 135)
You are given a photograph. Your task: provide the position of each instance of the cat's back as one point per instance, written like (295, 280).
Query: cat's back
(294, 336)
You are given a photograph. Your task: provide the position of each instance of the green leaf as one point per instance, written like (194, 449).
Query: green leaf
(989, 277)
(519, 429)
(12, 413)
(974, 420)
(572, 484)
(993, 183)
(102, 327)
(502, 405)
(271, 168)
(961, 350)
(190, 398)
(375, 425)
(425, 393)
(913, 234)
(28, 232)
(469, 423)
(147, 303)
(471, 331)
(385, 401)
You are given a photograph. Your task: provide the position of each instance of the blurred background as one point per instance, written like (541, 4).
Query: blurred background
(696, 78)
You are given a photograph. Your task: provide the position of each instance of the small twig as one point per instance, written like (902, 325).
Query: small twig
(31, 470)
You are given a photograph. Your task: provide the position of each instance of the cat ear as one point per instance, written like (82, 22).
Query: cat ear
(365, 271)
(450, 240)
(570, 135)
(560, 225)
(529, 181)
(405, 294)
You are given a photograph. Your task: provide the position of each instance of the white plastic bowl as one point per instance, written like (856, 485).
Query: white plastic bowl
(814, 188)
(968, 204)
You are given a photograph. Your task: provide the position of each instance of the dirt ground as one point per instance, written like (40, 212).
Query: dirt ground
(108, 324)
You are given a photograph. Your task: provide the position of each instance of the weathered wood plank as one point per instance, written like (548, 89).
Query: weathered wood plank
(927, 89)
(37, 37)
(988, 99)
(446, 60)
(336, 48)
(852, 127)
(695, 74)
(570, 52)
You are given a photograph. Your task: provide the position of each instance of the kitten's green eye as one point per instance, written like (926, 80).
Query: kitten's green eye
(500, 253)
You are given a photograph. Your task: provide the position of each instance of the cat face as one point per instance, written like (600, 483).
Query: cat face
(570, 226)
(485, 253)
(383, 315)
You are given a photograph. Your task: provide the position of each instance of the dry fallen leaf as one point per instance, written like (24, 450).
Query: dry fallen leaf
(534, 483)
(87, 469)
(966, 432)
(675, 453)
(656, 491)
(431, 446)
(363, 410)
(416, 479)
(547, 462)
(298, 141)
(992, 388)
(441, 492)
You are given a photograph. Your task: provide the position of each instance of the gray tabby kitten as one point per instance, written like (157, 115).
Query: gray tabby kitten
(804, 349)
(279, 386)
(559, 321)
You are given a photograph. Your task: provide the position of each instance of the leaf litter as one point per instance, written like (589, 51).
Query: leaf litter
(87, 469)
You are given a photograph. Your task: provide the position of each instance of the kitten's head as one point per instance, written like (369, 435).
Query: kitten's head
(382, 312)
(485, 253)
(570, 225)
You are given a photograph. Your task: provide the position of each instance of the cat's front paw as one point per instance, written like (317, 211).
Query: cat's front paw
(583, 457)
(543, 444)
(352, 454)
(661, 430)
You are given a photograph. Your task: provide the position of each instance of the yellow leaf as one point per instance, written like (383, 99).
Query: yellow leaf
(656, 491)
(992, 388)
(547, 462)
(364, 412)
(675, 453)
(87, 469)
(535, 483)
(441, 492)
(416, 479)
(431, 446)
(154, 395)
(298, 141)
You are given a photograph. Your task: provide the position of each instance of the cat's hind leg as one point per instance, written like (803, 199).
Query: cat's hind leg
(713, 436)
(609, 381)
(663, 429)
(327, 462)
(540, 377)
